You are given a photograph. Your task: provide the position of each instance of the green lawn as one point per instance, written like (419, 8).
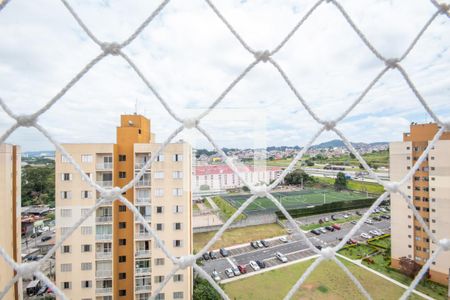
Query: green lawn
(227, 210)
(328, 281)
(238, 235)
(384, 243)
(357, 251)
(297, 199)
(372, 188)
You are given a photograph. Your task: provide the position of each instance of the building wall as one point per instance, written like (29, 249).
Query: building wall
(10, 182)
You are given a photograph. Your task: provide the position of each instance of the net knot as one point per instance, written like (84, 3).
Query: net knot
(444, 8)
(111, 48)
(27, 268)
(392, 63)
(26, 121)
(445, 244)
(186, 261)
(327, 253)
(260, 190)
(262, 55)
(111, 194)
(329, 125)
(190, 123)
(392, 187)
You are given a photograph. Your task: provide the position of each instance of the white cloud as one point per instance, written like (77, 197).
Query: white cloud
(190, 57)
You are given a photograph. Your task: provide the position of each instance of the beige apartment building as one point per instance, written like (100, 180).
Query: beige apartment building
(10, 198)
(429, 189)
(111, 256)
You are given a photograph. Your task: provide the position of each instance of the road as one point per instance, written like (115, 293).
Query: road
(295, 249)
(332, 173)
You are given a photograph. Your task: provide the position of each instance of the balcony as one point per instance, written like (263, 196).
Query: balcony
(103, 219)
(143, 184)
(142, 200)
(142, 236)
(103, 237)
(104, 167)
(142, 253)
(105, 184)
(103, 291)
(143, 270)
(103, 255)
(139, 165)
(147, 218)
(143, 288)
(103, 273)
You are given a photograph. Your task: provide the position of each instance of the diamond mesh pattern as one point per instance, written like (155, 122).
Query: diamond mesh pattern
(260, 56)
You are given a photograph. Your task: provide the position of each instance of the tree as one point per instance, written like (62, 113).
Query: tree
(204, 290)
(340, 183)
(352, 156)
(245, 188)
(297, 177)
(38, 185)
(409, 267)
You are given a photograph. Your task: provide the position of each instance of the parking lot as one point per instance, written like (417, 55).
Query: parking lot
(295, 249)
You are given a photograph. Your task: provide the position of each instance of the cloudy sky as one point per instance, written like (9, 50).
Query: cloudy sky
(190, 57)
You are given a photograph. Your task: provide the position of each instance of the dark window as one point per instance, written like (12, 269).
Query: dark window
(122, 225)
(140, 131)
(159, 209)
(122, 258)
(122, 208)
(122, 242)
(159, 226)
(122, 174)
(122, 275)
(122, 157)
(122, 293)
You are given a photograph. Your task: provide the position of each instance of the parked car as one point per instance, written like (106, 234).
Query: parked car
(319, 247)
(336, 226)
(281, 257)
(329, 228)
(383, 209)
(334, 218)
(315, 231)
(346, 216)
(353, 222)
(206, 256)
(259, 244)
(368, 221)
(265, 243)
(33, 287)
(323, 230)
(213, 255)
(224, 252)
(215, 276)
(283, 239)
(351, 242)
(46, 238)
(365, 236)
(358, 213)
(254, 245)
(374, 233)
(242, 269)
(261, 264)
(326, 219)
(377, 218)
(229, 273)
(385, 217)
(254, 265)
(236, 271)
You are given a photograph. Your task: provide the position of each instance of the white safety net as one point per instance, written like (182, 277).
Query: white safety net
(260, 56)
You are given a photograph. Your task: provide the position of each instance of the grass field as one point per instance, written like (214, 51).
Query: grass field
(373, 188)
(296, 199)
(328, 281)
(238, 235)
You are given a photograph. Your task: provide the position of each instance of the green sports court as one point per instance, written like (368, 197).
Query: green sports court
(295, 199)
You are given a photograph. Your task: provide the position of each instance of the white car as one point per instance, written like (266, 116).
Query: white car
(260, 245)
(229, 272)
(323, 230)
(365, 236)
(383, 209)
(375, 232)
(345, 216)
(215, 276)
(236, 271)
(368, 221)
(254, 265)
(283, 239)
(281, 257)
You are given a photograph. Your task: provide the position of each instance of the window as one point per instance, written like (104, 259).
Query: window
(122, 293)
(122, 175)
(66, 212)
(159, 227)
(159, 192)
(122, 258)
(122, 208)
(86, 158)
(159, 279)
(177, 174)
(177, 192)
(160, 296)
(160, 157)
(86, 284)
(84, 211)
(177, 157)
(432, 168)
(177, 226)
(65, 195)
(178, 243)
(66, 176)
(178, 277)
(158, 175)
(122, 242)
(88, 175)
(159, 261)
(86, 266)
(86, 230)
(177, 295)
(122, 225)
(86, 194)
(64, 159)
(65, 249)
(66, 285)
(86, 248)
(122, 276)
(159, 209)
(66, 267)
(122, 157)
(177, 209)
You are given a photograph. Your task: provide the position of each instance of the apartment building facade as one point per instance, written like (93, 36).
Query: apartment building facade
(10, 198)
(429, 189)
(111, 256)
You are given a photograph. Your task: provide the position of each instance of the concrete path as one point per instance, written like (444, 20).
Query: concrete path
(212, 203)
